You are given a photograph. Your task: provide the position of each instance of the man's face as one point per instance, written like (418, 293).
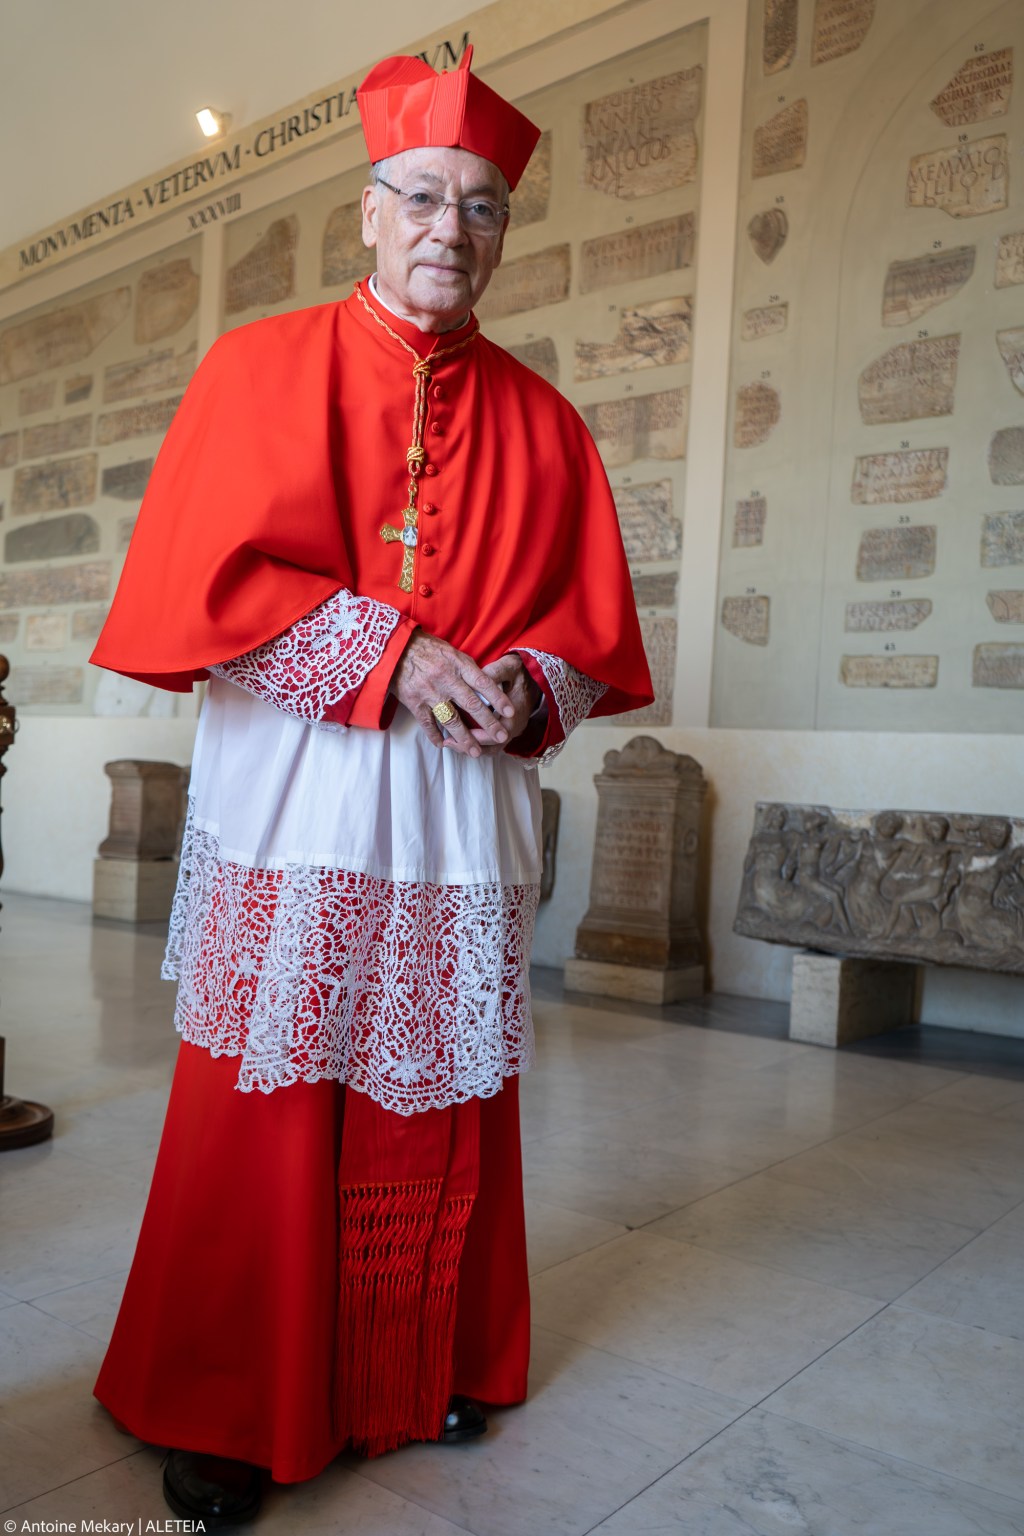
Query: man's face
(433, 274)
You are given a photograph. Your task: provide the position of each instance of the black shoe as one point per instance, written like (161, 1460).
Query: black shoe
(463, 1421)
(211, 1489)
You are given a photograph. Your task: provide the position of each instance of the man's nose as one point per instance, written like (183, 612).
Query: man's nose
(449, 226)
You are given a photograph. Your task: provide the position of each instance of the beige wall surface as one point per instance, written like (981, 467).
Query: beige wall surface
(880, 253)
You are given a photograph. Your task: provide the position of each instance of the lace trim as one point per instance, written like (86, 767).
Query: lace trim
(417, 995)
(575, 695)
(323, 656)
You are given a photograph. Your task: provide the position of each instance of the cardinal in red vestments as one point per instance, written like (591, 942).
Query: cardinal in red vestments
(392, 551)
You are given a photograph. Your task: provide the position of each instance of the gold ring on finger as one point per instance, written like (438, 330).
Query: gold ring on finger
(444, 712)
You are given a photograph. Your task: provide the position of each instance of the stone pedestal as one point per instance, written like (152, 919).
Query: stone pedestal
(639, 939)
(838, 1000)
(134, 890)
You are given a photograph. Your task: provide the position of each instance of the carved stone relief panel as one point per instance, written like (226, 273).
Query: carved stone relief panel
(154, 416)
(650, 335)
(540, 355)
(649, 529)
(780, 28)
(127, 482)
(168, 296)
(1010, 260)
(748, 618)
(52, 437)
(767, 233)
(896, 554)
(1006, 456)
(887, 615)
(37, 397)
(63, 336)
(46, 632)
(840, 27)
(265, 274)
(980, 88)
(10, 449)
(912, 380)
(344, 259)
(75, 533)
(889, 671)
(1011, 350)
(532, 196)
(630, 255)
(765, 320)
(640, 426)
(1006, 607)
(910, 474)
(918, 284)
(51, 487)
(527, 282)
(780, 144)
(964, 180)
(148, 375)
(758, 411)
(642, 139)
(1002, 539)
(998, 664)
(748, 522)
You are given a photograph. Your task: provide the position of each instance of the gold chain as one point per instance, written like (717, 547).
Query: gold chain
(415, 454)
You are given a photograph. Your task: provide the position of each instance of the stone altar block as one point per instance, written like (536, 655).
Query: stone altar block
(136, 872)
(639, 938)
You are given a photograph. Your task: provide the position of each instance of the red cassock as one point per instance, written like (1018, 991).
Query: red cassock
(315, 1270)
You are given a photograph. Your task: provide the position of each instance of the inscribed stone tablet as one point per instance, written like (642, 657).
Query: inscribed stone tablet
(87, 623)
(76, 533)
(1002, 539)
(656, 589)
(47, 585)
(748, 522)
(748, 618)
(46, 631)
(125, 529)
(780, 144)
(632, 254)
(1006, 607)
(9, 623)
(998, 664)
(882, 617)
(56, 437)
(63, 336)
(37, 397)
(961, 179)
(147, 376)
(51, 487)
(46, 685)
(980, 88)
(527, 283)
(136, 421)
(914, 379)
(758, 409)
(914, 474)
(765, 320)
(1010, 260)
(891, 554)
(767, 234)
(840, 26)
(530, 199)
(913, 286)
(266, 273)
(780, 19)
(1011, 350)
(889, 671)
(127, 482)
(1006, 456)
(77, 389)
(641, 140)
(659, 641)
(540, 355)
(640, 426)
(168, 296)
(344, 258)
(649, 530)
(650, 336)
(10, 443)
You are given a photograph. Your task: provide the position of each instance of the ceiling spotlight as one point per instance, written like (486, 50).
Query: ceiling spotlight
(213, 123)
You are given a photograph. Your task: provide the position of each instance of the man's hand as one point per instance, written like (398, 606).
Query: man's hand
(431, 670)
(520, 691)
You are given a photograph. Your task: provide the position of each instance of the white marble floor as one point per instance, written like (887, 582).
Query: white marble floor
(776, 1290)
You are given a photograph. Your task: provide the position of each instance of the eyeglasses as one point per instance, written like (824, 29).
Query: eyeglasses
(478, 215)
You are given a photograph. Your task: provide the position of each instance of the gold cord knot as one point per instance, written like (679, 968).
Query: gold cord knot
(421, 368)
(415, 457)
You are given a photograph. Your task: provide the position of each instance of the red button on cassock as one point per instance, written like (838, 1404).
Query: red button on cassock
(430, 469)
(437, 427)
(429, 508)
(438, 392)
(427, 549)
(426, 591)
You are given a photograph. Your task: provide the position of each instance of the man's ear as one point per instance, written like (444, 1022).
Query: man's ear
(371, 210)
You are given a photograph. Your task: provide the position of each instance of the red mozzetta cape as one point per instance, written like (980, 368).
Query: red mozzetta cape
(287, 455)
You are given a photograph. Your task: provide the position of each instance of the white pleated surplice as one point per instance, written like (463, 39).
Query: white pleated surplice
(356, 905)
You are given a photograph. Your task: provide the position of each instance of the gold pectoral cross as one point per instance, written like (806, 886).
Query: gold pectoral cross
(407, 537)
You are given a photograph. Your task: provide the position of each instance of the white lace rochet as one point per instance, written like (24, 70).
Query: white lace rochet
(575, 695)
